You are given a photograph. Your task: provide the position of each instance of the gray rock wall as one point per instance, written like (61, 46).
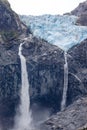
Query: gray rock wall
(77, 62)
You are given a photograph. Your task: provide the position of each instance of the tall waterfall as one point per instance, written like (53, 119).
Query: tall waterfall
(23, 121)
(64, 97)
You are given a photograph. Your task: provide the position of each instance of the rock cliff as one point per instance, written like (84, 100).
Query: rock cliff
(44, 62)
(77, 62)
(45, 71)
(73, 118)
(45, 66)
(81, 11)
(10, 24)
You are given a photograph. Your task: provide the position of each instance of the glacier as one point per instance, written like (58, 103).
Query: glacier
(60, 30)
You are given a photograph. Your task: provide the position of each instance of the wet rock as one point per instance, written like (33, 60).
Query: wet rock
(81, 11)
(45, 65)
(77, 62)
(71, 119)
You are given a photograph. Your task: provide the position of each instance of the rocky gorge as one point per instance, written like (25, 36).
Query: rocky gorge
(45, 67)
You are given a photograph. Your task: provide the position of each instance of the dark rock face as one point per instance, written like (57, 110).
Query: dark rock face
(77, 62)
(45, 65)
(81, 11)
(73, 118)
(82, 20)
(10, 81)
(45, 69)
(82, 8)
(10, 25)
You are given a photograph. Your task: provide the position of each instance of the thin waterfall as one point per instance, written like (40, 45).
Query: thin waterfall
(64, 97)
(23, 121)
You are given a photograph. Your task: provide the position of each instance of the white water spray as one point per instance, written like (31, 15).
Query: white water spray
(23, 121)
(64, 97)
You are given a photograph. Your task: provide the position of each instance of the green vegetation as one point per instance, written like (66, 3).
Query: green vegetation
(10, 35)
(84, 129)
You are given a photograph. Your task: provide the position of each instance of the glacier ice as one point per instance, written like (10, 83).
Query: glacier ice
(59, 30)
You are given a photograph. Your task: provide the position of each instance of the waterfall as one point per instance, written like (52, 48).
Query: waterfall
(23, 121)
(74, 75)
(64, 97)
